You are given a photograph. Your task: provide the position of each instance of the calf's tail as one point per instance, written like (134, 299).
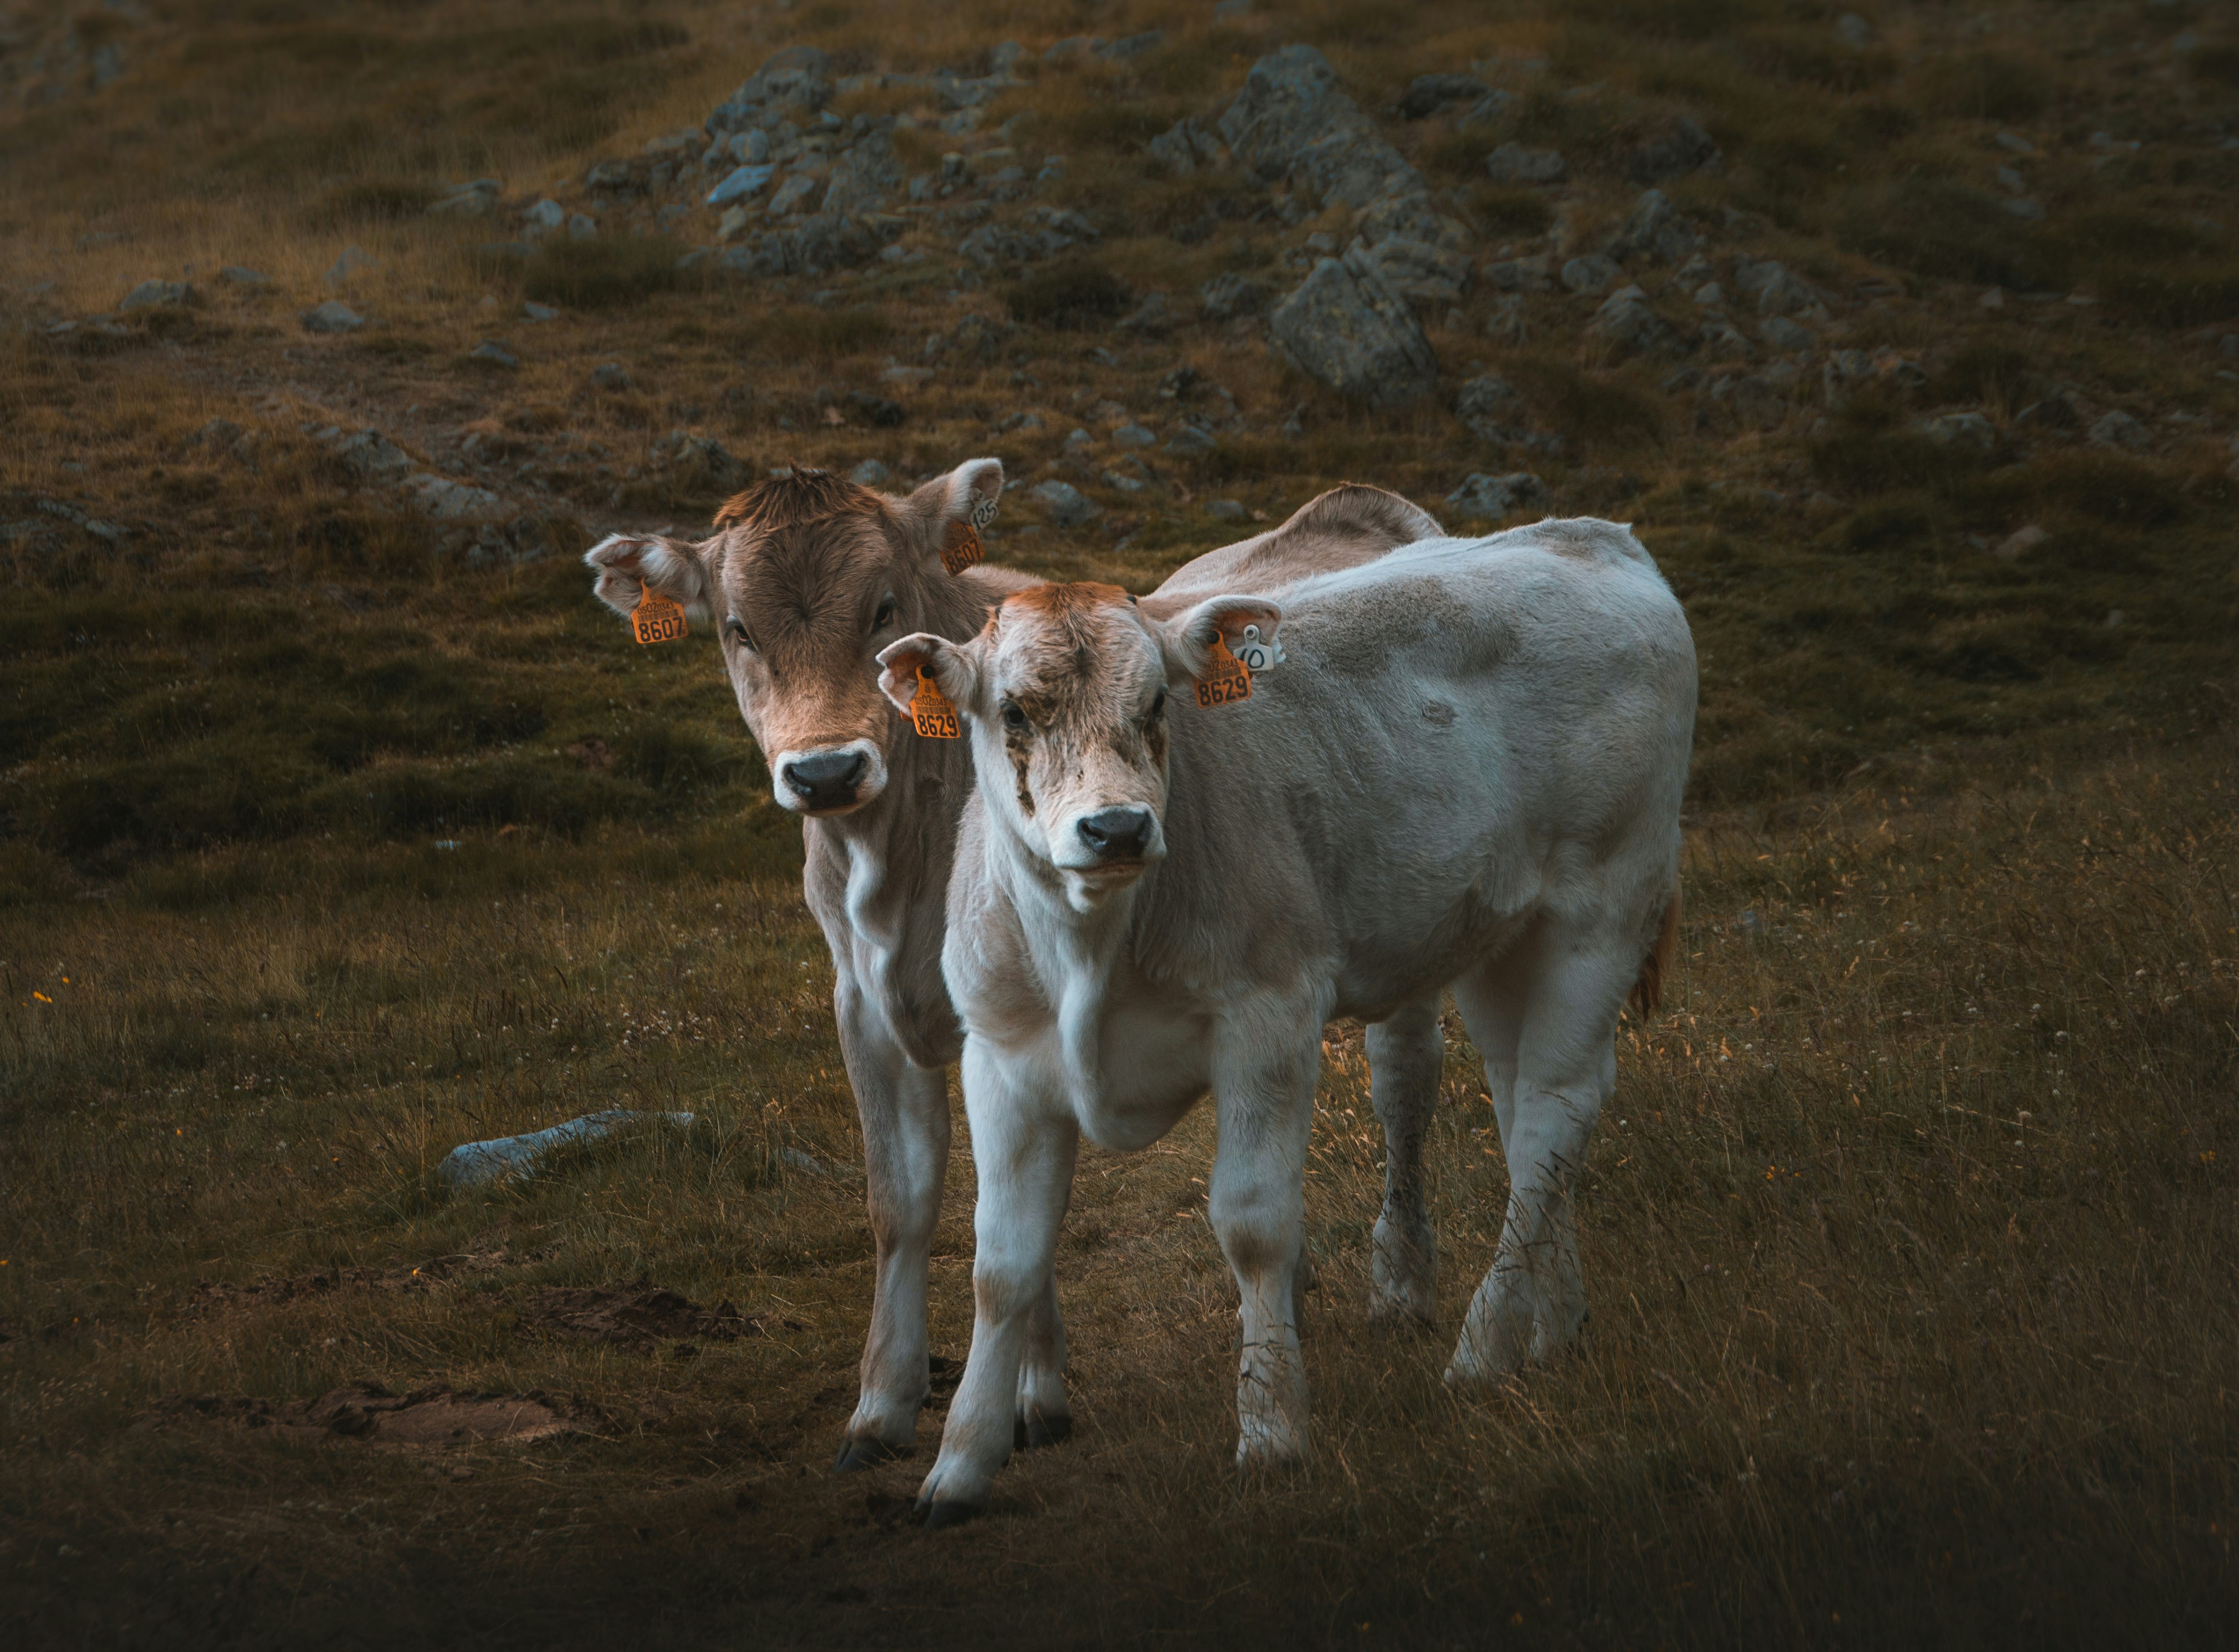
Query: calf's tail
(1647, 990)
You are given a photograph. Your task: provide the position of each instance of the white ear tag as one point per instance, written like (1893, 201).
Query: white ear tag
(983, 511)
(1258, 653)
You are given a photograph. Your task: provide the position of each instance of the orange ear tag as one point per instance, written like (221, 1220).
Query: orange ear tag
(963, 549)
(1226, 679)
(657, 618)
(931, 712)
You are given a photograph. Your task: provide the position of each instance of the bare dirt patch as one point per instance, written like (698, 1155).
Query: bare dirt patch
(428, 1417)
(637, 1315)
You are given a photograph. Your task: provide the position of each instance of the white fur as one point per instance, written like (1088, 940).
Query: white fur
(1467, 773)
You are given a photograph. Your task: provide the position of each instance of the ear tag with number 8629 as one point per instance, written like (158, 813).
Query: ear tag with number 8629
(658, 618)
(1227, 680)
(932, 713)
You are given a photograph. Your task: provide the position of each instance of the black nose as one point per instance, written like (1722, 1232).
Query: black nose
(825, 780)
(1116, 834)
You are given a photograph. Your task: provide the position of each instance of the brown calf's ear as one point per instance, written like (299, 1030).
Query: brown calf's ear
(950, 512)
(631, 564)
(1188, 641)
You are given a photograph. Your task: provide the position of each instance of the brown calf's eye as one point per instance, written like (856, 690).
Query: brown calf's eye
(1158, 707)
(737, 634)
(885, 616)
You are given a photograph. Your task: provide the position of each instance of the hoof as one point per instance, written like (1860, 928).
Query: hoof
(856, 1455)
(939, 1514)
(1031, 1433)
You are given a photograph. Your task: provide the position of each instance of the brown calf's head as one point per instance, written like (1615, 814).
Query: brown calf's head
(1068, 691)
(808, 577)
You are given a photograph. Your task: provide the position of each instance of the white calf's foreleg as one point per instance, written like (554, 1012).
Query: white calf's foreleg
(1023, 1145)
(1406, 1053)
(1045, 1415)
(1264, 1089)
(904, 1109)
(1532, 1300)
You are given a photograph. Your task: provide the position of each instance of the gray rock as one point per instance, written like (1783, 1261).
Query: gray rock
(1186, 146)
(469, 200)
(2021, 542)
(1135, 436)
(1754, 400)
(1710, 294)
(1533, 274)
(610, 375)
(476, 1163)
(1124, 482)
(1154, 316)
(870, 474)
(1590, 272)
(1424, 274)
(1779, 290)
(864, 177)
(1192, 442)
(354, 259)
(1132, 47)
(2119, 429)
(2023, 207)
(2054, 413)
(1065, 505)
(743, 184)
(796, 80)
(1229, 295)
(1681, 146)
(159, 295)
(1853, 31)
(1785, 336)
(1972, 430)
(373, 456)
(1078, 439)
(1229, 10)
(708, 459)
(1514, 163)
(1292, 124)
(455, 501)
(613, 177)
(495, 352)
(1347, 329)
(581, 227)
(531, 310)
(1225, 510)
(1655, 230)
(1427, 94)
(543, 219)
(1625, 322)
(242, 276)
(1494, 497)
(333, 316)
(1490, 407)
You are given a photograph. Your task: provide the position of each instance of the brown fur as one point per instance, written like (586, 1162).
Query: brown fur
(806, 495)
(1647, 990)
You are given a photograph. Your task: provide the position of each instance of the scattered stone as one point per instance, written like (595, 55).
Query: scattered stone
(581, 227)
(701, 461)
(2054, 413)
(1346, 328)
(1427, 94)
(1186, 146)
(1653, 229)
(158, 294)
(1972, 430)
(1154, 316)
(1681, 146)
(2119, 429)
(531, 310)
(742, 184)
(1225, 510)
(1229, 295)
(1533, 274)
(1709, 295)
(1625, 322)
(1512, 162)
(2021, 542)
(240, 276)
(544, 218)
(1490, 407)
(495, 352)
(1132, 47)
(611, 375)
(1853, 31)
(1589, 273)
(794, 81)
(876, 410)
(469, 200)
(1494, 497)
(1135, 436)
(870, 474)
(1292, 124)
(1778, 290)
(455, 501)
(1995, 298)
(1192, 441)
(354, 259)
(473, 1163)
(333, 316)
(634, 1316)
(1425, 275)
(370, 454)
(1785, 336)
(1065, 505)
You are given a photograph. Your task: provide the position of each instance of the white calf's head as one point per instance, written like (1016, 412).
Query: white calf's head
(1071, 692)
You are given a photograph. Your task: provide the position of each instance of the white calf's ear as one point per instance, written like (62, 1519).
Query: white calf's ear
(627, 564)
(951, 512)
(937, 657)
(1186, 641)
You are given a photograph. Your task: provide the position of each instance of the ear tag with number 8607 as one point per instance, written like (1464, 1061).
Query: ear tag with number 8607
(932, 713)
(658, 618)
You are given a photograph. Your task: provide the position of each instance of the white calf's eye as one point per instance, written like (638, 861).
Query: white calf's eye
(1158, 707)
(1014, 719)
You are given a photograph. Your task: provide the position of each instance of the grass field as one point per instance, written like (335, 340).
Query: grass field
(331, 844)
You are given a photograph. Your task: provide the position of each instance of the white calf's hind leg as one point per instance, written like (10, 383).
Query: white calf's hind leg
(1405, 1052)
(1024, 1147)
(1532, 1300)
(1045, 1415)
(1264, 1091)
(905, 1112)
